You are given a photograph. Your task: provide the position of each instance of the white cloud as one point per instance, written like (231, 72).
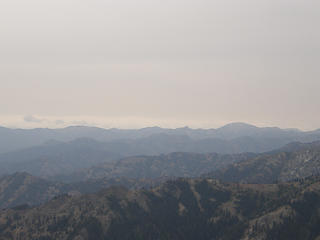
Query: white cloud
(33, 119)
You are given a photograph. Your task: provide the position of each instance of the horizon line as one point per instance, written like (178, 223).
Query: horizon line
(156, 126)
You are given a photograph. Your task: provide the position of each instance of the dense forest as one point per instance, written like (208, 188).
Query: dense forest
(178, 209)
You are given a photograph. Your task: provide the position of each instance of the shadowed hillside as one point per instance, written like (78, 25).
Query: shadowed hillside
(181, 209)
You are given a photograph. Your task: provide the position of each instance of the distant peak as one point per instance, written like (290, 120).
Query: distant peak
(239, 125)
(184, 128)
(81, 127)
(153, 127)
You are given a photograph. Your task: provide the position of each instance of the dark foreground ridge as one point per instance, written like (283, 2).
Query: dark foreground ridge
(181, 209)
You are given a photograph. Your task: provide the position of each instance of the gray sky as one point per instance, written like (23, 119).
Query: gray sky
(125, 63)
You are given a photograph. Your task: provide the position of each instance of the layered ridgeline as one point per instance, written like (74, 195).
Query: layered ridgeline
(66, 158)
(56, 158)
(178, 164)
(232, 138)
(294, 161)
(181, 209)
(133, 172)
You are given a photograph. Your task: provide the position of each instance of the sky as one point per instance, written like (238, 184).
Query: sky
(168, 63)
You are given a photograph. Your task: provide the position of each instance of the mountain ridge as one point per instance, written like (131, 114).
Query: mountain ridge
(14, 139)
(294, 161)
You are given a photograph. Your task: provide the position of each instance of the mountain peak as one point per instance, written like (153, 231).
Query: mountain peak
(237, 125)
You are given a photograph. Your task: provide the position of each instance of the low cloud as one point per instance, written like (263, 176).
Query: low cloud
(33, 119)
(45, 121)
(59, 122)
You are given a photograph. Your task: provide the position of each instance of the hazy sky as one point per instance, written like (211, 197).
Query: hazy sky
(125, 63)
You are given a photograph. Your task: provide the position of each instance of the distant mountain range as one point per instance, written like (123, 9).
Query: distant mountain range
(182, 209)
(64, 151)
(232, 138)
